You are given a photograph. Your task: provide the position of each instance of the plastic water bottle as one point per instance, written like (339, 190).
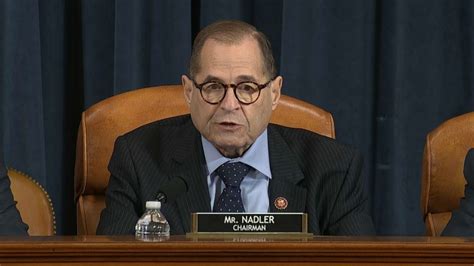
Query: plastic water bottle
(152, 226)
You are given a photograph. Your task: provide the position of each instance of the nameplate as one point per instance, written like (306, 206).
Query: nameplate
(249, 223)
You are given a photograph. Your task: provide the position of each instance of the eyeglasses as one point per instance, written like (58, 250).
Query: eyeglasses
(246, 92)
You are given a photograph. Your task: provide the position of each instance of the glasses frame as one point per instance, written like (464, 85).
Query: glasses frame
(234, 88)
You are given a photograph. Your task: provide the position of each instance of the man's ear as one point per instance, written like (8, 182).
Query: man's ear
(188, 88)
(276, 91)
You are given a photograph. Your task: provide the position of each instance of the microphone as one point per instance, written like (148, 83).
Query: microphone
(469, 168)
(171, 190)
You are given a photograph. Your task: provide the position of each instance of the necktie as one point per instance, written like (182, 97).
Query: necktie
(232, 175)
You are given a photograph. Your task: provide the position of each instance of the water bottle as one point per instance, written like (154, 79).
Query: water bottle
(152, 226)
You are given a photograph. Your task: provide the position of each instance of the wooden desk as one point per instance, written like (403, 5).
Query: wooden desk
(243, 250)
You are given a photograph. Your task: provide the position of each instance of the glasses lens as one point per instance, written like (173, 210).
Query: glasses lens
(247, 92)
(213, 92)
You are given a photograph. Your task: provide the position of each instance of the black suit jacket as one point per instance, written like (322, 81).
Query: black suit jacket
(314, 173)
(462, 221)
(10, 219)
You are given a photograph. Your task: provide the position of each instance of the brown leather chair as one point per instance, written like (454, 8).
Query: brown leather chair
(102, 123)
(33, 203)
(442, 175)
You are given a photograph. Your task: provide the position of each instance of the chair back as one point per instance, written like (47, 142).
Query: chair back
(442, 178)
(103, 122)
(33, 203)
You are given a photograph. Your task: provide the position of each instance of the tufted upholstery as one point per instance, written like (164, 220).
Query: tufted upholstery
(33, 203)
(442, 174)
(102, 123)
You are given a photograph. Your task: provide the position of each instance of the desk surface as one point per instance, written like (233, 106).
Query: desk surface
(236, 250)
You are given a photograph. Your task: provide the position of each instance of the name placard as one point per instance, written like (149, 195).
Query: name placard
(249, 223)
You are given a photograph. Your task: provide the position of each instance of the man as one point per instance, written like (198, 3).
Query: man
(10, 219)
(232, 90)
(462, 221)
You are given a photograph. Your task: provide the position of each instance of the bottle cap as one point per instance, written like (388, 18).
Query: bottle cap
(153, 204)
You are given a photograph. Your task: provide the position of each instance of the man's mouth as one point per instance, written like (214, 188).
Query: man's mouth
(229, 125)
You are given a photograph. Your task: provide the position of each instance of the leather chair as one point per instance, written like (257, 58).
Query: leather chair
(103, 122)
(442, 174)
(33, 203)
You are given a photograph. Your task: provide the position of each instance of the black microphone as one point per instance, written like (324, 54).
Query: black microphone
(469, 167)
(171, 190)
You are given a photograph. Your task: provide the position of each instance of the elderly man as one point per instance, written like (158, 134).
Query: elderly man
(227, 151)
(462, 221)
(10, 219)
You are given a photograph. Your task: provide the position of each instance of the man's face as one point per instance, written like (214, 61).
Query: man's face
(230, 125)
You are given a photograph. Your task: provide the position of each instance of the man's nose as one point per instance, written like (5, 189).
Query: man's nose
(230, 102)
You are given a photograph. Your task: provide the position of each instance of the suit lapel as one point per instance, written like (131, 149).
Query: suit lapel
(286, 175)
(190, 165)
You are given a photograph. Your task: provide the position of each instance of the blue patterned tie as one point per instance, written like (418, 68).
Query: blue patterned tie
(232, 175)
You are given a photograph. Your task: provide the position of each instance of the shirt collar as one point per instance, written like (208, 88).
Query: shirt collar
(256, 156)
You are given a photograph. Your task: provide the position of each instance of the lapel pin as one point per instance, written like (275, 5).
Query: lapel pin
(281, 203)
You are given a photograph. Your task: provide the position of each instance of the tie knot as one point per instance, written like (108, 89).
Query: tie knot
(232, 174)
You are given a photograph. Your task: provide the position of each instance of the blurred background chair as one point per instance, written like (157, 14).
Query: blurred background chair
(442, 174)
(103, 122)
(33, 203)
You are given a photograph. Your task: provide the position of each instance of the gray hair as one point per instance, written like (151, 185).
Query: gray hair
(232, 32)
